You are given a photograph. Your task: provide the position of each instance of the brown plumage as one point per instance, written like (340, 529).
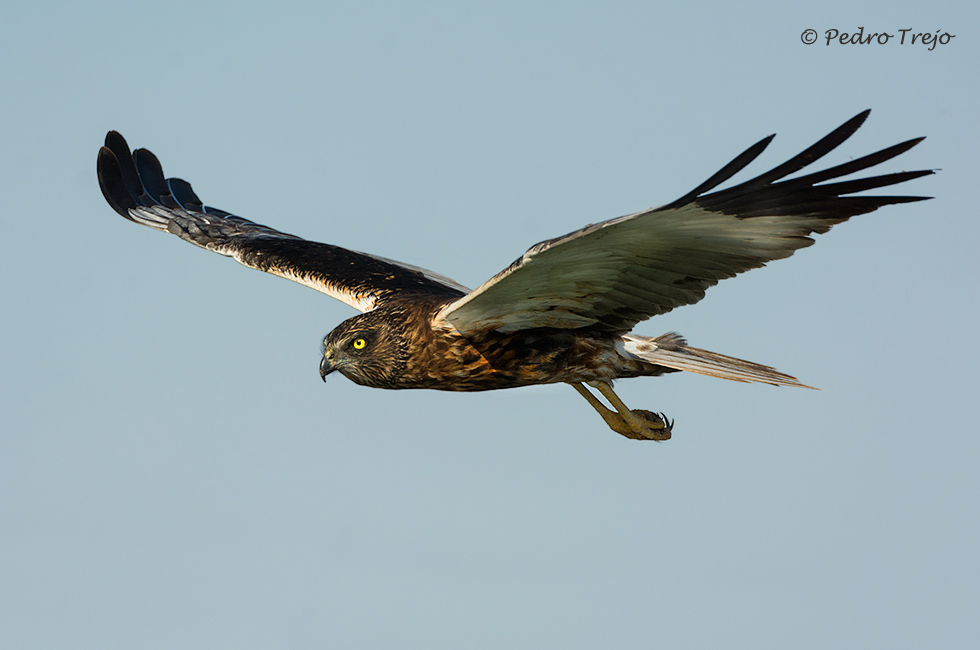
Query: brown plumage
(564, 310)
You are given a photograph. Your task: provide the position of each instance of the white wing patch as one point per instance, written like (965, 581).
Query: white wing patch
(360, 302)
(651, 261)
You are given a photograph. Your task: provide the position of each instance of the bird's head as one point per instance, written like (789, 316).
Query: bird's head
(369, 349)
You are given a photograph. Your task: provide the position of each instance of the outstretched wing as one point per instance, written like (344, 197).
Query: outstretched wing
(616, 273)
(135, 187)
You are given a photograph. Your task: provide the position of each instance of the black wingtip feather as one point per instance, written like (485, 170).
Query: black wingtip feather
(738, 164)
(153, 180)
(184, 195)
(818, 150)
(117, 144)
(813, 153)
(811, 194)
(130, 180)
(112, 181)
(857, 165)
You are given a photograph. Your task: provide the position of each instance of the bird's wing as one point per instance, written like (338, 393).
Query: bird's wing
(614, 274)
(135, 187)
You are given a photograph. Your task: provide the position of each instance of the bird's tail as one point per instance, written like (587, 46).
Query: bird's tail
(672, 351)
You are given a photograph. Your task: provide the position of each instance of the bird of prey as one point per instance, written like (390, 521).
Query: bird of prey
(564, 310)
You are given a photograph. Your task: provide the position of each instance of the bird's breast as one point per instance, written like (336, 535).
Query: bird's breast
(492, 360)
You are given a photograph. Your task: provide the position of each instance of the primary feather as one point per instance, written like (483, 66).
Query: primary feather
(619, 272)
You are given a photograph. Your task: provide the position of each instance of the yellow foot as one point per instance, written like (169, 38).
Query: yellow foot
(643, 425)
(634, 424)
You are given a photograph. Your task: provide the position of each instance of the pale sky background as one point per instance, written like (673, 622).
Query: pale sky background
(173, 473)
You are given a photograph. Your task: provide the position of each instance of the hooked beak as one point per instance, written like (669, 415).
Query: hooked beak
(326, 367)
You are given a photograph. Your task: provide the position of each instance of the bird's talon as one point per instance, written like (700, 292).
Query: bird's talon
(653, 426)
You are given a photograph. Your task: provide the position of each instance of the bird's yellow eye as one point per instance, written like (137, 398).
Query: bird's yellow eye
(359, 344)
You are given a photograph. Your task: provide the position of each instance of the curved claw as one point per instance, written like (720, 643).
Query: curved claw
(648, 425)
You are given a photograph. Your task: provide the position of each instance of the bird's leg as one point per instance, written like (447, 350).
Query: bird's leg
(636, 425)
(613, 419)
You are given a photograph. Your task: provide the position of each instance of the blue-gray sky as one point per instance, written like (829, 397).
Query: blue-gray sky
(174, 474)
